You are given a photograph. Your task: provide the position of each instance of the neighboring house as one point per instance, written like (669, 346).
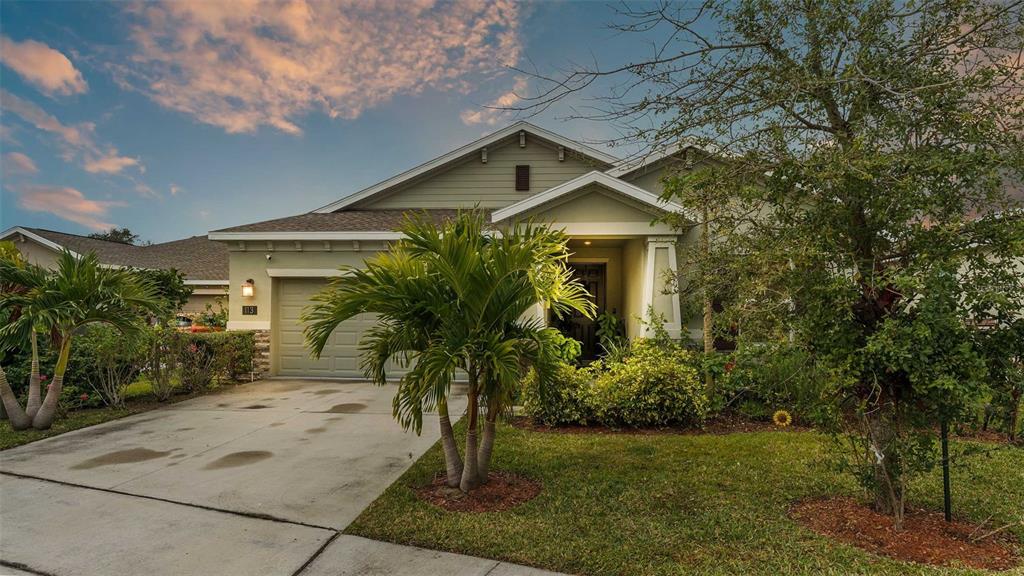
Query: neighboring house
(203, 262)
(607, 206)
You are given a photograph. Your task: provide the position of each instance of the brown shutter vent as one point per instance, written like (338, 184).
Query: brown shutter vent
(523, 178)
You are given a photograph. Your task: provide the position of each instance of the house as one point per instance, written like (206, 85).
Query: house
(203, 262)
(607, 206)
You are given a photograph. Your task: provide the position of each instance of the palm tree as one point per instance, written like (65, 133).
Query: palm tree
(451, 302)
(78, 292)
(20, 283)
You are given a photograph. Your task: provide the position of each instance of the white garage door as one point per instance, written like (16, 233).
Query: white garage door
(340, 358)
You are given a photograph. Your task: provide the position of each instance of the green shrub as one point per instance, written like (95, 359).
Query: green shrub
(204, 356)
(106, 361)
(563, 400)
(759, 380)
(653, 386)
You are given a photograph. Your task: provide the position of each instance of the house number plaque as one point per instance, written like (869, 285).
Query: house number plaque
(248, 310)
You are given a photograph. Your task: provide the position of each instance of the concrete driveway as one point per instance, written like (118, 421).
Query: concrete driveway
(257, 480)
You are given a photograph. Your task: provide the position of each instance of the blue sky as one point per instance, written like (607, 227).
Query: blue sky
(176, 119)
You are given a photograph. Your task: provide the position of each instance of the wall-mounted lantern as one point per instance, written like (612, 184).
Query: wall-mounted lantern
(248, 289)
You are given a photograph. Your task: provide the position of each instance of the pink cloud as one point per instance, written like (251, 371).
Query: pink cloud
(67, 203)
(42, 66)
(77, 142)
(18, 163)
(492, 113)
(242, 65)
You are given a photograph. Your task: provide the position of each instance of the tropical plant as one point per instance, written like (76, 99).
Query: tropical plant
(108, 361)
(20, 284)
(163, 360)
(451, 300)
(79, 292)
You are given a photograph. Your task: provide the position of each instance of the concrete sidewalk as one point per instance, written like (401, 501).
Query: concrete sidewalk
(259, 480)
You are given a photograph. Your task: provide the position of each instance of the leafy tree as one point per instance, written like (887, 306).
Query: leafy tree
(877, 131)
(80, 291)
(450, 300)
(119, 235)
(170, 287)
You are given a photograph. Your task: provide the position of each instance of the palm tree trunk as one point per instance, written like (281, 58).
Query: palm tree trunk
(48, 410)
(452, 460)
(19, 420)
(34, 396)
(470, 479)
(487, 445)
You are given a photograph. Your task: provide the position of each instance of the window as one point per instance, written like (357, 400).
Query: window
(523, 178)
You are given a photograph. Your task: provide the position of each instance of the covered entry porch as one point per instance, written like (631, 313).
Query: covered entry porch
(621, 251)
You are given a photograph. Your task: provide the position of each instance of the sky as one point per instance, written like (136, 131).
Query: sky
(178, 118)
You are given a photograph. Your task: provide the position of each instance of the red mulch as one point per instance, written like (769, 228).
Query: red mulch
(721, 425)
(503, 490)
(926, 537)
(991, 436)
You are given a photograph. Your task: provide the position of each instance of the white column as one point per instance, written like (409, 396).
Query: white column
(660, 265)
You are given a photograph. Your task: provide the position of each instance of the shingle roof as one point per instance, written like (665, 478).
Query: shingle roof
(196, 257)
(344, 221)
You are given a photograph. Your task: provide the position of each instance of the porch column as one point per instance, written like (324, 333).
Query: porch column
(660, 267)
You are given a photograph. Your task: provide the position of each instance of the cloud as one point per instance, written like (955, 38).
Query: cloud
(42, 66)
(18, 163)
(492, 112)
(67, 203)
(175, 189)
(77, 142)
(109, 163)
(242, 65)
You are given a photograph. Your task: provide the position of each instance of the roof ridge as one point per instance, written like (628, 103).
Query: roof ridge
(86, 237)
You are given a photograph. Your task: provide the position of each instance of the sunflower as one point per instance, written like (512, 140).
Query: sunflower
(782, 418)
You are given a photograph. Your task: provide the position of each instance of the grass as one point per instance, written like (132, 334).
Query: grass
(675, 504)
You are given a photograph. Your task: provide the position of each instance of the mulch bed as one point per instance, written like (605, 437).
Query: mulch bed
(990, 436)
(503, 490)
(721, 425)
(926, 538)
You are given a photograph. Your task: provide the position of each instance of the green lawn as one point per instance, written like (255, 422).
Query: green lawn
(673, 504)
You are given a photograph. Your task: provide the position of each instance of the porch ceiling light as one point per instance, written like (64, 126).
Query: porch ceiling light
(248, 289)
(586, 242)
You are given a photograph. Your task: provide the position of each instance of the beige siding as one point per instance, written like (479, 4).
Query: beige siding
(37, 254)
(633, 258)
(491, 185)
(197, 303)
(592, 205)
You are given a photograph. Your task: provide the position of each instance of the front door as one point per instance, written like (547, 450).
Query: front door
(577, 326)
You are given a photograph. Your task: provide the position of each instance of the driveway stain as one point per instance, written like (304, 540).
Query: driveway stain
(129, 456)
(236, 459)
(347, 408)
(324, 392)
(256, 406)
(317, 430)
(183, 429)
(276, 424)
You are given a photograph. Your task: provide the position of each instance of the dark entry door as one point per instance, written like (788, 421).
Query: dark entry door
(593, 278)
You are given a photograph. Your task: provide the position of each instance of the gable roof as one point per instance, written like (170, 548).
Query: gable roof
(593, 177)
(196, 257)
(462, 152)
(344, 225)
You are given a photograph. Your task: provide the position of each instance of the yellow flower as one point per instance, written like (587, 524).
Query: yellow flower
(782, 418)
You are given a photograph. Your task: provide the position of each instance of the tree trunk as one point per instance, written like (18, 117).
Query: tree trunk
(19, 420)
(34, 396)
(709, 339)
(487, 443)
(1014, 418)
(888, 482)
(470, 478)
(452, 460)
(48, 410)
